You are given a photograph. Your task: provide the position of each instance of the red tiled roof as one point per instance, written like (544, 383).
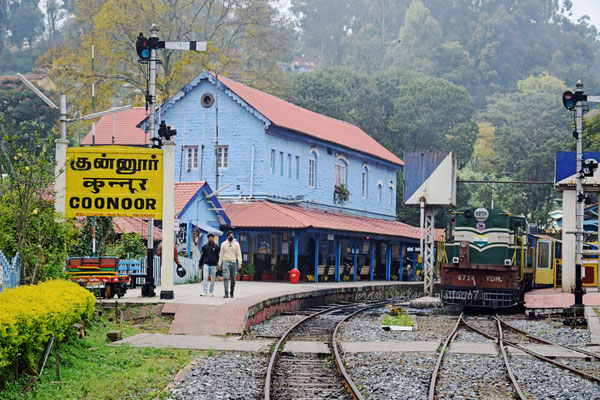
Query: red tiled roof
(134, 224)
(291, 116)
(184, 191)
(124, 125)
(264, 214)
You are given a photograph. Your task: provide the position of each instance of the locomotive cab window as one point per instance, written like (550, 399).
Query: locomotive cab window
(544, 254)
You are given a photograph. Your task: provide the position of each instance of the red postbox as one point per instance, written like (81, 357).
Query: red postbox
(294, 276)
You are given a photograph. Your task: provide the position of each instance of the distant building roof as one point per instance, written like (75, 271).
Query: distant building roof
(124, 126)
(264, 214)
(135, 225)
(184, 191)
(295, 118)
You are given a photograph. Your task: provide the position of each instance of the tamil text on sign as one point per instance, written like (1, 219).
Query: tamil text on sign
(114, 181)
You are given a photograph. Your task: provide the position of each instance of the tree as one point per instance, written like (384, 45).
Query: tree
(29, 224)
(246, 41)
(417, 39)
(103, 226)
(432, 113)
(25, 113)
(25, 22)
(531, 126)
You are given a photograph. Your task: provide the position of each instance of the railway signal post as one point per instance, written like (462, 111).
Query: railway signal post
(575, 101)
(147, 51)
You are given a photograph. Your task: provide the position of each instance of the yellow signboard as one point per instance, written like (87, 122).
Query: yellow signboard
(114, 181)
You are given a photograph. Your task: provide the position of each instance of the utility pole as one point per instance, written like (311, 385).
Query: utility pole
(147, 50)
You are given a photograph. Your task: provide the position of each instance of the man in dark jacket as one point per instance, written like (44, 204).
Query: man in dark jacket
(208, 263)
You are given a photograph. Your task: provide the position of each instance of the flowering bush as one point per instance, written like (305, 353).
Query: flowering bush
(29, 315)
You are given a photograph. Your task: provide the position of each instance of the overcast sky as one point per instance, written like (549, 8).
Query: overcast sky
(587, 7)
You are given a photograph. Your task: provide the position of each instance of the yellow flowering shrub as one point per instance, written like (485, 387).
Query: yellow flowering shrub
(29, 315)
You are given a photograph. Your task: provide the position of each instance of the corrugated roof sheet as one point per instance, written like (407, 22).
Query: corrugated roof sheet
(124, 125)
(293, 117)
(264, 214)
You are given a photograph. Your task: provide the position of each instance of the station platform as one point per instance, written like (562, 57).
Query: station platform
(548, 298)
(256, 301)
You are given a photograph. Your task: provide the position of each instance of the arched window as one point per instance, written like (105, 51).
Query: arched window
(379, 190)
(391, 193)
(365, 181)
(341, 167)
(312, 168)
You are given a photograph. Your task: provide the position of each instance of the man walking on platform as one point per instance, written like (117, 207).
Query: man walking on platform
(229, 258)
(208, 263)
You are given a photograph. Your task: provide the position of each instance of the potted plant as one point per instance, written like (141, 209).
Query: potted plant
(248, 271)
(269, 275)
(340, 194)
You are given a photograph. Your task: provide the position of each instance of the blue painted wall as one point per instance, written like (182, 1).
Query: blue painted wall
(244, 130)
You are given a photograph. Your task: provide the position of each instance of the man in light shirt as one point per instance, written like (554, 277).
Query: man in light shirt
(230, 257)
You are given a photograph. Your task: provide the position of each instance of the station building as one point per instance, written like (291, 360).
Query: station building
(299, 189)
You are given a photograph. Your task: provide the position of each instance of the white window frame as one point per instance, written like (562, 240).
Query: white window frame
(191, 158)
(365, 181)
(272, 162)
(281, 163)
(390, 193)
(223, 156)
(312, 171)
(379, 191)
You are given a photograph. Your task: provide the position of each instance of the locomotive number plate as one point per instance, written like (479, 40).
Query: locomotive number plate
(466, 278)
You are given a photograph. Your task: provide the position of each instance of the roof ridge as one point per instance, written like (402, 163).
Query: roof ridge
(292, 104)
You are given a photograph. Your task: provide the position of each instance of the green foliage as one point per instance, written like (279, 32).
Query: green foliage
(29, 224)
(248, 269)
(20, 61)
(91, 369)
(129, 245)
(397, 320)
(340, 194)
(104, 235)
(25, 22)
(30, 314)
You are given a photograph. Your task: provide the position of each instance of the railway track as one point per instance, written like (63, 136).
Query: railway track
(303, 376)
(516, 389)
(493, 330)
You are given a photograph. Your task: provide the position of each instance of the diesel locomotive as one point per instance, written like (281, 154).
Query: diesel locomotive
(486, 259)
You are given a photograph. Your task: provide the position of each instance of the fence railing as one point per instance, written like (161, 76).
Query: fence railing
(189, 264)
(10, 272)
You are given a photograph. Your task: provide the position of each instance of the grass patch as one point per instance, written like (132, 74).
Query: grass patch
(90, 369)
(597, 311)
(397, 320)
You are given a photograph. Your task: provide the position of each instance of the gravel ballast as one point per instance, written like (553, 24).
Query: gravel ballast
(553, 331)
(275, 326)
(541, 380)
(231, 376)
(385, 376)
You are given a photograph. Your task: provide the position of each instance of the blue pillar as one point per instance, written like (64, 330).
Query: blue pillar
(401, 268)
(355, 247)
(316, 258)
(414, 263)
(338, 254)
(189, 239)
(388, 260)
(296, 250)
(372, 260)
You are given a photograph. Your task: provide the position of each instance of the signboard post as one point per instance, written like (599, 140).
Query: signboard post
(430, 183)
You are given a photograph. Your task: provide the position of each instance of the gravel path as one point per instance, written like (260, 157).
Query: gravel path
(275, 326)
(553, 331)
(541, 380)
(385, 376)
(470, 376)
(231, 376)
(367, 328)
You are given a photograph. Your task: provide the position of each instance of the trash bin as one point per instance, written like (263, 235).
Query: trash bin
(294, 276)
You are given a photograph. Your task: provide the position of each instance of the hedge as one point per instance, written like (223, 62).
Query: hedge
(29, 315)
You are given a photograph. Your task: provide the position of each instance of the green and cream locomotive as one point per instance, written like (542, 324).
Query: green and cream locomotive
(485, 259)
